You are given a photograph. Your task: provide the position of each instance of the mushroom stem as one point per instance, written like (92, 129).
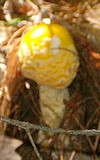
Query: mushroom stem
(52, 107)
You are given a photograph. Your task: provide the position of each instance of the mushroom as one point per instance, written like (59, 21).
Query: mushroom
(48, 56)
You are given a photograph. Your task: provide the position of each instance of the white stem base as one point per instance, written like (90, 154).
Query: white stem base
(52, 106)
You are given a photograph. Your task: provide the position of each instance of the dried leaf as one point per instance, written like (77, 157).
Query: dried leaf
(7, 148)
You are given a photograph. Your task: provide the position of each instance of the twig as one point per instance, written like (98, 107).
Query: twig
(33, 145)
(95, 114)
(97, 139)
(72, 155)
(16, 34)
(29, 126)
(33, 5)
(88, 138)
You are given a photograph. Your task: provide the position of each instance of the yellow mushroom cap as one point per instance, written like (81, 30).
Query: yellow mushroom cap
(48, 56)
